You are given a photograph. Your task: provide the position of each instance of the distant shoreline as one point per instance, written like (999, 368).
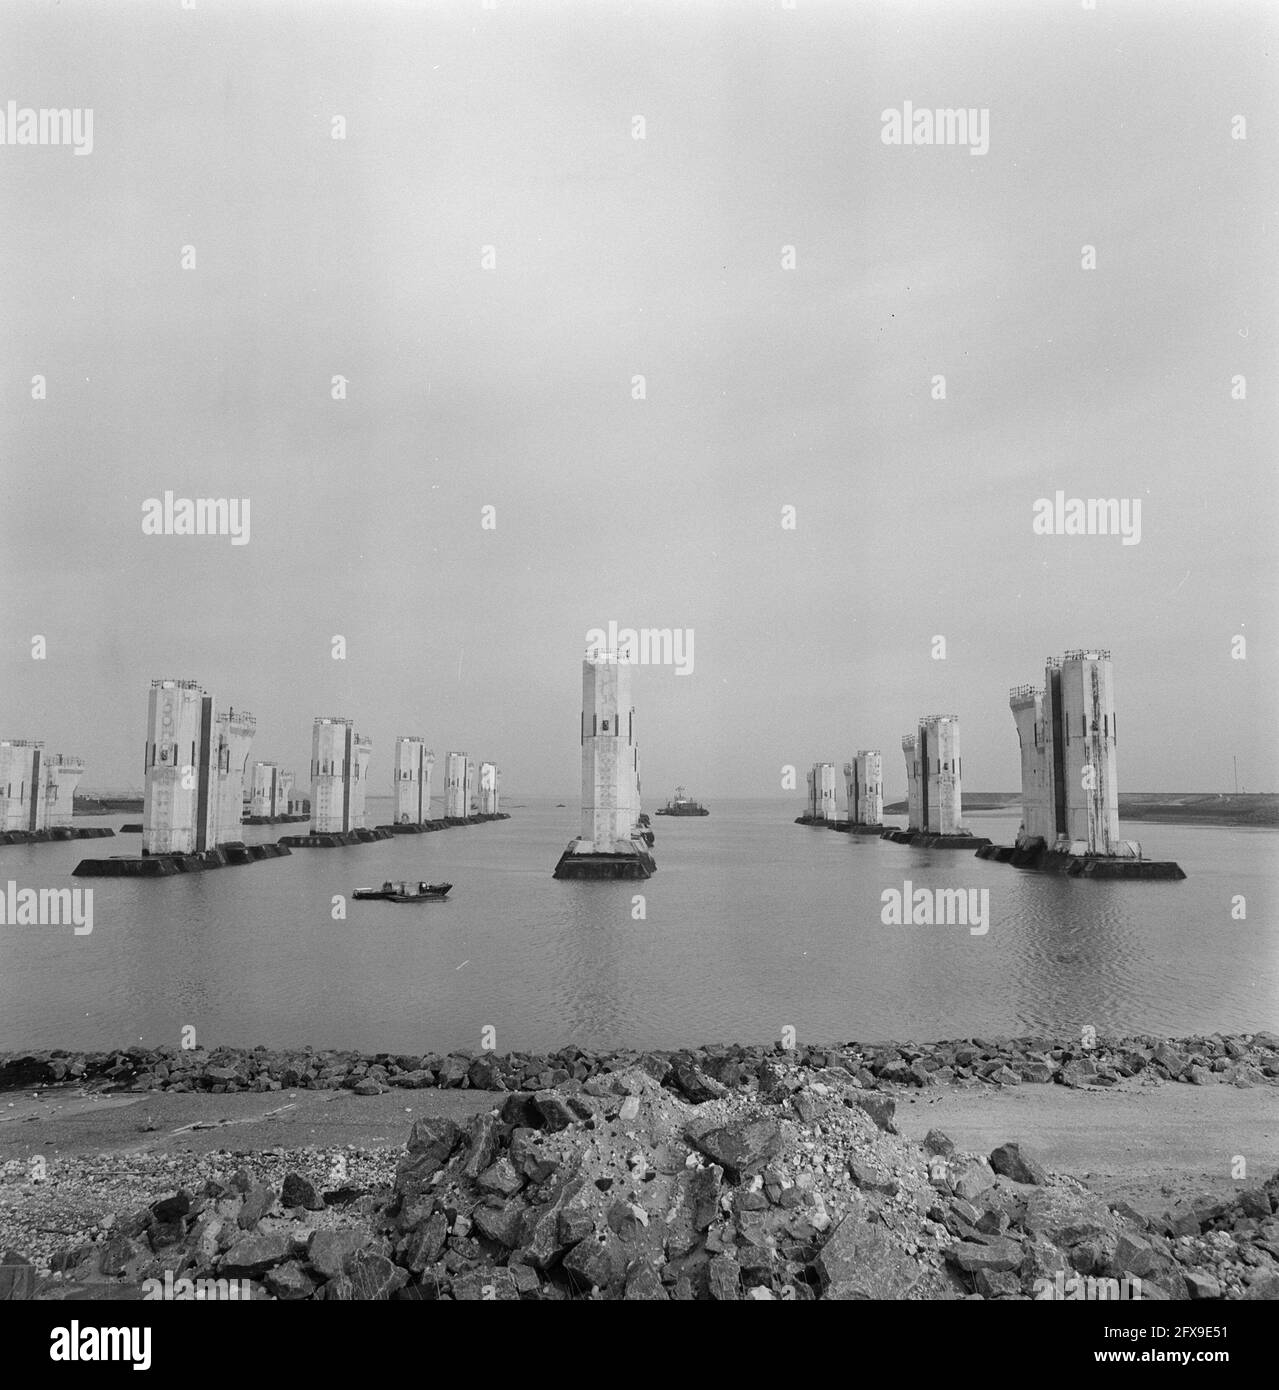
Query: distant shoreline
(1181, 808)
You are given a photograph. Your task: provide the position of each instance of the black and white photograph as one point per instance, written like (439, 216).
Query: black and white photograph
(638, 663)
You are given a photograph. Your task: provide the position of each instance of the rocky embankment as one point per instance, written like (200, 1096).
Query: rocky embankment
(720, 1176)
(699, 1074)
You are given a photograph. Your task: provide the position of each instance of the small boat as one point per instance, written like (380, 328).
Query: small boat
(405, 892)
(682, 805)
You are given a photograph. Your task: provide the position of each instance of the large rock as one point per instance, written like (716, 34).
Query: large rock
(599, 1261)
(373, 1277)
(172, 1208)
(298, 1192)
(431, 1144)
(1065, 1215)
(482, 1139)
(435, 1136)
(425, 1243)
(253, 1255)
(1202, 1285)
(694, 1083)
(502, 1224)
(485, 1074)
(289, 1282)
(18, 1277)
(1013, 1161)
(540, 1238)
(1079, 1071)
(644, 1284)
(879, 1107)
(1172, 1061)
(259, 1201)
(1135, 1255)
(997, 1256)
(741, 1147)
(501, 1178)
(860, 1261)
(938, 1144)
(703, 1194)
(724, 1276)
(554, 1109)
(329, 1251)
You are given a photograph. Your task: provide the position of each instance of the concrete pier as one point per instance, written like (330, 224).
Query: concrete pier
(235, 731)
(428, 827)
(412, 788)
(333, 839)
(490, 789)
(456, 806)
(934, 788)
(612, 843)
(1068, 732)
(864, 784)
(339, 775)
(853, 806)
(270, 795)
(37, 795)
(54, 832)
(1038, 856)
(164, 865)
(180, 808)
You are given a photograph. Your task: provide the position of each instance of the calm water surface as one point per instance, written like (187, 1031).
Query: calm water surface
(752, 923)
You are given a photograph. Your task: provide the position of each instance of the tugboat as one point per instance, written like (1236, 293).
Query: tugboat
(405, 893)
(682, 805)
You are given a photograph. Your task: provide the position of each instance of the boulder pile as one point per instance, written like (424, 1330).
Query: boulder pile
(1243, 1060)
(623, 1184)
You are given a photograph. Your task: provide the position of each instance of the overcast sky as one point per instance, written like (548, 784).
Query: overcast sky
(766, 387)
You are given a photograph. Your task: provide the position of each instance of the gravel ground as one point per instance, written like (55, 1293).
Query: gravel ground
(67, 1207)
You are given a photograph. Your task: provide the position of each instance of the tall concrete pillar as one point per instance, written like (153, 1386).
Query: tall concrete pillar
(1079, 718)
(180, 810)
(455, 803)
(608, 815)
(472, 779)
(825, 792)
(363, 749)
(333, 775)
(488, 789)
(611, 843)
(22, 801)
(1037, 800)
(265, 791)
(937, 750)
(914, 800)
(235, 731)
(61, 776)
(413, 764)
(864, 779)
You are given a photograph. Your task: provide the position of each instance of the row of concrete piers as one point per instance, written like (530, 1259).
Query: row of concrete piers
(196, 760)
(1068, 735)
